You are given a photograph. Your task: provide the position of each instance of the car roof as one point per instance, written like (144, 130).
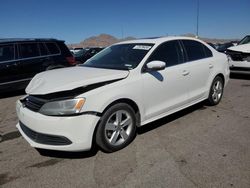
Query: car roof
(158, 40)
(10, 40)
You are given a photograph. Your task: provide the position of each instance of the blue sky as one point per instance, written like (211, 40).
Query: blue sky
(75, 20)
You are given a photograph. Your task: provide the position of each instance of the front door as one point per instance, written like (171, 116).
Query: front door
(166, 90)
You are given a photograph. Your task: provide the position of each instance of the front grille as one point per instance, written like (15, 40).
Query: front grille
(237, 56)
(44, 138)
(33, 103)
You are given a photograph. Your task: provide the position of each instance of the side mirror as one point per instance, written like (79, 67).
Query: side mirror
(155, 66)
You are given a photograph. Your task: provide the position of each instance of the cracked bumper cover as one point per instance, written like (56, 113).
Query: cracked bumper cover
(78, 129)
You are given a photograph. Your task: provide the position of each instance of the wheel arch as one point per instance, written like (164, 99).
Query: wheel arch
(131, 103)
(222, 76)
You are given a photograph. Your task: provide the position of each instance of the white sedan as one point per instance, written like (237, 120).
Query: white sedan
(125, 86)
(239, 56)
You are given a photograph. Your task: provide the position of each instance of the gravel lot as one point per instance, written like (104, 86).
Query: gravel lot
(198, 147)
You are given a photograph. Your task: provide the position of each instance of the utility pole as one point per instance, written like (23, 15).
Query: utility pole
(122, 32)
(197, 20)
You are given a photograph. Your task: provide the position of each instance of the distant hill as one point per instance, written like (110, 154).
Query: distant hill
(101, 40)
(104, 40)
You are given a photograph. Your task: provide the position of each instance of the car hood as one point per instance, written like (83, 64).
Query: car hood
(70, 78)
(245, 48)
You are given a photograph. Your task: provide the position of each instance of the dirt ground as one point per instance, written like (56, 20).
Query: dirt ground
(198, 147)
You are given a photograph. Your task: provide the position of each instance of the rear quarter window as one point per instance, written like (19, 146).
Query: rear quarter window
(64, 49)
(208, 52)
(196, 50)
(53, 48)
(6, 52)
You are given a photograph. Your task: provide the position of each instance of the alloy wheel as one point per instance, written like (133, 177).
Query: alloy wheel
(118, 127)
(217, 91)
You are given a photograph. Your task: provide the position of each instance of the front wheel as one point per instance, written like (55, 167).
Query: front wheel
(117, 128)
(216, 91)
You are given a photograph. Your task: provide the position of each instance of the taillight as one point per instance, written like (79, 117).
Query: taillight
(71, 60)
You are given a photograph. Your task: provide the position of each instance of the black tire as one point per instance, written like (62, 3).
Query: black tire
(212, 101)
(104, 137)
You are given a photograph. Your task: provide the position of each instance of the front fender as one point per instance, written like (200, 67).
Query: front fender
(99, 99)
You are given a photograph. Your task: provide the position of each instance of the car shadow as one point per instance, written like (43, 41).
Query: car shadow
(240, 76)
(9, 94)
(68, 155)
(165, 120)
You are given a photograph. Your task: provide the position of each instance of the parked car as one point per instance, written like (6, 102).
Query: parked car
(75, 50)
(239, 56)
(21, 59)
(78, 55)
(245, 40)
(211, 44)
(223, 47)
(125, 86)
(83, 55)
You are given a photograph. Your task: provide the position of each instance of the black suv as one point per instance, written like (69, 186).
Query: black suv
(21, 59)
(84, 54)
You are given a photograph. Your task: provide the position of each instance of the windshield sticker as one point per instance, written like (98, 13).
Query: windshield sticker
(142, 47)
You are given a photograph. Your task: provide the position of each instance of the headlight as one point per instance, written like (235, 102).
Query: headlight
(64, 107)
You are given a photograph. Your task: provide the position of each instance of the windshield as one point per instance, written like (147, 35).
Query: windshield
(245, 40)
(121, 56)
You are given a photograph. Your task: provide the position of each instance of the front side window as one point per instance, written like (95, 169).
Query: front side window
(194, 50)
(121, 56)
(169, 52)
(6, 52)
(29, 50)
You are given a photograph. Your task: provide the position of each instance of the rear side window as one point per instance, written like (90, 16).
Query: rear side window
(43, 49)
(168, 52)
(29, 50)
(194, 50)
(53, 48)
(6, 52)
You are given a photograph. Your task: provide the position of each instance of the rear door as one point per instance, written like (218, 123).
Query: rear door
(199, 66)
(8, 64)
(30, 60)
(166, 90)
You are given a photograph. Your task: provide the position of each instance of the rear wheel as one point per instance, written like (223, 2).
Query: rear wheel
(117, 128)
(216, 91)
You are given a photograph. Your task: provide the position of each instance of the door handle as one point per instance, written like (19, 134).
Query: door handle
(185, 73)
(211, 66)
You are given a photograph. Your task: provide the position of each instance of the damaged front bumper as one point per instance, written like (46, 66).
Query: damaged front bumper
(73, 133)
(238, 61)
